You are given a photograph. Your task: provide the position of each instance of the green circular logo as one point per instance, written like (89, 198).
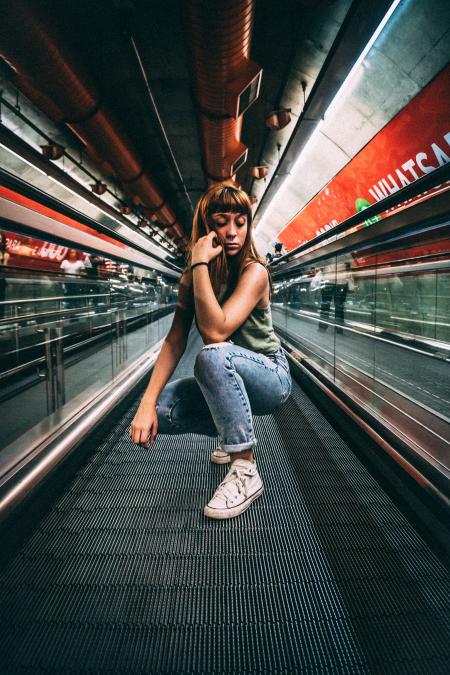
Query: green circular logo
(361, 204)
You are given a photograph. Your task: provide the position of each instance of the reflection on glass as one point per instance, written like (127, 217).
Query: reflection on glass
(377, 321)
(70, 322)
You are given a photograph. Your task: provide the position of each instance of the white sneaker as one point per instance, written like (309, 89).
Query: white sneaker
(219, 456)
(241, 486)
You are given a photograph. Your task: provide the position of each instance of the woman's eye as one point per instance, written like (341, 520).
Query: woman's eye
(240, 222)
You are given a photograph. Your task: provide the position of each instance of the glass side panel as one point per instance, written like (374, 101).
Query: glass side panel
(442, 326)
(87, 340)
(69, 326)
(353, 297)
(376, 321)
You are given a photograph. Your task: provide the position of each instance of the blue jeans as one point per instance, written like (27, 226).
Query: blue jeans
(229, 384)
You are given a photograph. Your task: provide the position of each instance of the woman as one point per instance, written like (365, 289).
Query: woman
(71, 264)
(242, 369)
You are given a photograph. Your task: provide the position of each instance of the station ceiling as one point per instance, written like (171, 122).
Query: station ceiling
(153, 74)
(137, 60)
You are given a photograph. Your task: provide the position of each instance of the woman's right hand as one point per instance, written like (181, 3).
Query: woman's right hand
(144, 424)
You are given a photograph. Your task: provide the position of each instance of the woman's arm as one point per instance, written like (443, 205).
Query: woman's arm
(174, 344)
(216, 323)
(172, 350)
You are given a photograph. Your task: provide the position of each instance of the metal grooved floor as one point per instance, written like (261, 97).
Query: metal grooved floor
(322, 574)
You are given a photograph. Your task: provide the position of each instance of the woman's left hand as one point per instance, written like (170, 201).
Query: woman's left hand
(205, 250)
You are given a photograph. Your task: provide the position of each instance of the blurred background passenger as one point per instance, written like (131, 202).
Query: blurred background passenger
(335, 288)
(316, 281)
(93, 265)
(71, 264)
(279, 249)
(344, 284)
(4, 260)
(327, 288)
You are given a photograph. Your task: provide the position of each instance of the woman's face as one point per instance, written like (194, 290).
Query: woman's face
(231, 230)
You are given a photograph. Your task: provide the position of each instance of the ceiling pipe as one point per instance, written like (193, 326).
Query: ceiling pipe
(116, 225)
(42, 102)
(226, 81)
(39, 56)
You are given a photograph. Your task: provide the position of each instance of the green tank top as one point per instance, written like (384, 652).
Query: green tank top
(256, 333)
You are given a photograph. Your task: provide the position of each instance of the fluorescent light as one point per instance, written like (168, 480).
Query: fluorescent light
(363, 55)
(22, 159)
(342, 89)
(153, 246)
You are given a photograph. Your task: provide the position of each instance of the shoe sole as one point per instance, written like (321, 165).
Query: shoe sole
(220, 460)
(219, 514)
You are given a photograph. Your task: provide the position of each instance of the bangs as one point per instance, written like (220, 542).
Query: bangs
(227, 199)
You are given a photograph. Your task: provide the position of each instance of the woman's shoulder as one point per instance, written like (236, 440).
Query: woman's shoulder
(253, 261)
(258, 274)
(257, 268)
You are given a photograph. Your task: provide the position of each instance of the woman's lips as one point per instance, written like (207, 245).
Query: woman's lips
(231, 245)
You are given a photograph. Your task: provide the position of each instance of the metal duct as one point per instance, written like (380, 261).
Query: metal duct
(226, 82)
(42, 102)
(59, 84)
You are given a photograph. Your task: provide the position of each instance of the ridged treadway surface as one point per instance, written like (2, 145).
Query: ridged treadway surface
(322, 574)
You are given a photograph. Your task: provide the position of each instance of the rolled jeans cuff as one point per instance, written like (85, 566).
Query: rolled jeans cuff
(238, 447)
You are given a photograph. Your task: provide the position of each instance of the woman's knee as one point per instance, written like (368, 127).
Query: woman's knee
(164, 412)
(211, 358)
(164, 407)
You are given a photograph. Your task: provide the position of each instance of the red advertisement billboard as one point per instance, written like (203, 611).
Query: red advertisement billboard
(29, 253)
(415, 142)
(32, 253)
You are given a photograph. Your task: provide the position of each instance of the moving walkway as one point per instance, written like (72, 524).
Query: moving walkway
(119, 569)
(342, 566)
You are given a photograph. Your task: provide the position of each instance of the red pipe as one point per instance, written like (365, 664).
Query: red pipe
(53, 78)
(220, 44)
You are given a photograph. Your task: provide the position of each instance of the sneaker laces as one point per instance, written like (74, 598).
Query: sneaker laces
(235, 479)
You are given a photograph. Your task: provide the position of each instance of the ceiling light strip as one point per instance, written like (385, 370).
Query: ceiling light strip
(344, 86)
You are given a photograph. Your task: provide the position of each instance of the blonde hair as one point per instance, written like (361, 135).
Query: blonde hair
(224, 198)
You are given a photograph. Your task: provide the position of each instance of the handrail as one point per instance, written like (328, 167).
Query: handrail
(18, 301)
(385, 269)
(58, 297)
(26, 461)
(437, 177)
(105, 277)
(65, 312)
(24, 366)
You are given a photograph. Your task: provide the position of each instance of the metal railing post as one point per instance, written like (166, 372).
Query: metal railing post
(16, 327)
(54, 363)
(124, 350)
(60, 390)
(116, 339)
(50, 375)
